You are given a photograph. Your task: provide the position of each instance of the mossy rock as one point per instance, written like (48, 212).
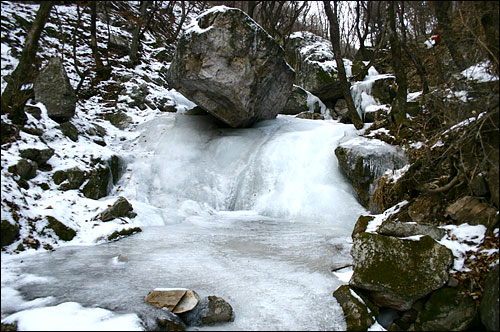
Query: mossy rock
(121, 208)
(383, 91)
(9, 233)
(357, 315)
(26, 169)
(36, 155)
(97, 186)
(398, 272)
(74, 178)
(361, 225)
(116, 235)
(69, 130)
(447, 310)
(64, 232)
(120, 120)
(9, 327)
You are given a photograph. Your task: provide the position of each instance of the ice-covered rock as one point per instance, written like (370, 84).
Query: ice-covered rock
(228, 65)
(364, 161)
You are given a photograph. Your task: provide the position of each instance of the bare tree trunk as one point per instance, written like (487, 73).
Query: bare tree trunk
(447, 33)
(13, 100)
(398, 112)
(489, 21)
(93, 37)
(181, 23)
(344, 84)
(134, 48)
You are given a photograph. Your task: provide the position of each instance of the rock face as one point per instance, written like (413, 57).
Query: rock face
(403, 229)
(357, 315)
(398, 272)
(489, 306)
(446, 310)
(176, 300)
(64, 232)
(53, 89)
(228, 65)
(297, 102)
(313, 60)
(9, 233)
(364, 161)
(210, 310)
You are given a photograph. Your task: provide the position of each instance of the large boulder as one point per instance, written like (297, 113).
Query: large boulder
(228, 65)
(364, 161)
(404, 229)
(471, 210)
(8, 234)
(312, 58)
(489, 306)
(120, 208)
(53, 89)
(398, 272)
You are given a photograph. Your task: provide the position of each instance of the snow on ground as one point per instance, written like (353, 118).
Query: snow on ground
(480, 73)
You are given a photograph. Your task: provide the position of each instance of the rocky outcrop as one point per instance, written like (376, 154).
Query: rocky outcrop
(40, 156)
(398, 272)
(313, 60)
(446, 310)
(26, 169)
(228, 65)
(490, 306)
(364, 161)
(210, 310)
(53, 89)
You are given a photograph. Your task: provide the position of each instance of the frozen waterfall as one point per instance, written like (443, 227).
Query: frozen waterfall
(257, 216)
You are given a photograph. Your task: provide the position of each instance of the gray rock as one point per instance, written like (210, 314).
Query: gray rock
(121, 208)
(228, 65)
(471, 210)
(37, 155)
(489, 306)
(398, 272)
(69, 179)
(310, 116)
(313, 60)
(64, 232)
(53, 89)
(119, 44)
(69, 130)
(297, 102)
(383, 91)
(119, 119)
(210, 310)
(404, 229)
(8, 233)
(357, 315)
(177, 300)
(168, 321)
(446, 310)
(340, 110)
(364, 161)
(26, 169)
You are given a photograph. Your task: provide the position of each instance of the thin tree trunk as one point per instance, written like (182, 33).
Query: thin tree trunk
(134, 48)
(93, 37)
(447, 33)
(13, 100)
(398, 112)
(345, 86)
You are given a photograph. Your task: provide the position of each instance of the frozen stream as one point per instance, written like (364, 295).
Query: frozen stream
(257, 216)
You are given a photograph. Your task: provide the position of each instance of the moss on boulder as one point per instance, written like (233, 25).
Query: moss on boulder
(398, 272)
(116, 235)
(358, 316)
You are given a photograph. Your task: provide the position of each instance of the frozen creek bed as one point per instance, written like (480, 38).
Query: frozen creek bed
(256, 216)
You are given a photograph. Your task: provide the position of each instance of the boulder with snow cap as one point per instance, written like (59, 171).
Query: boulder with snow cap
(364, 161)
(228, 65)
